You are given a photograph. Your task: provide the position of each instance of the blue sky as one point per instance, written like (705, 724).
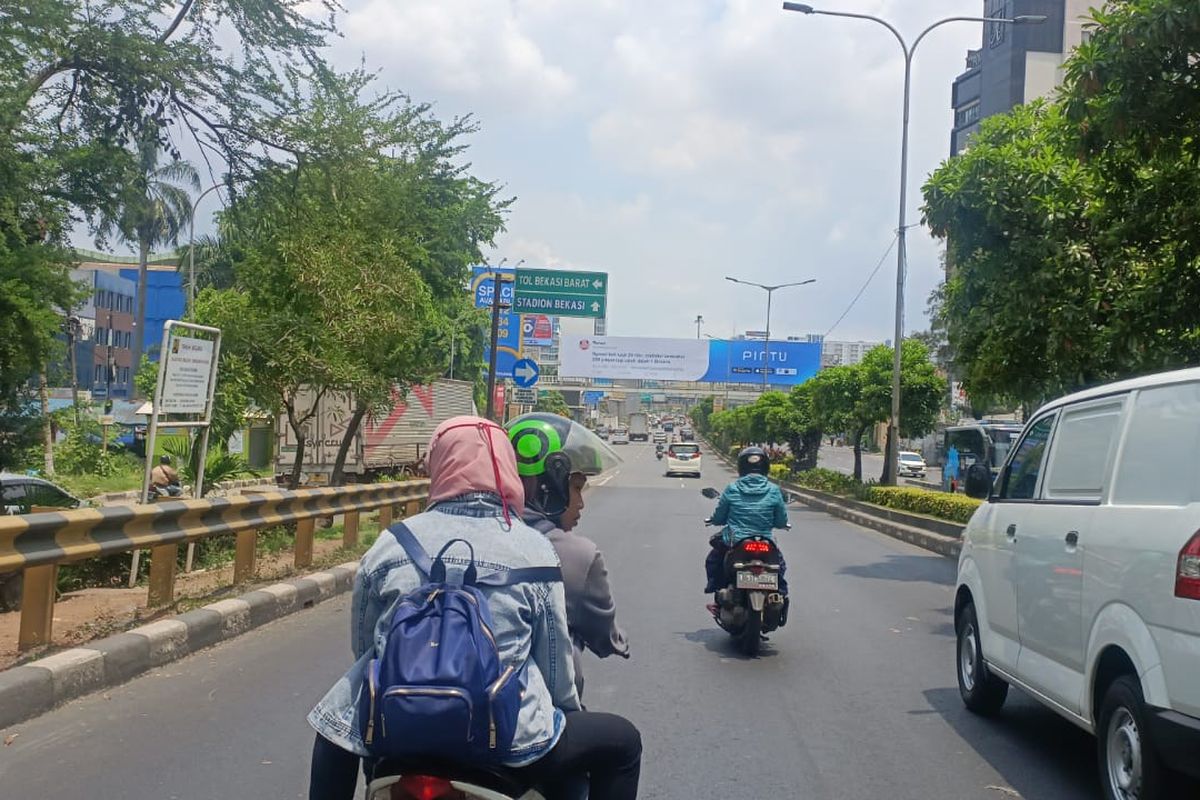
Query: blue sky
(672, 142)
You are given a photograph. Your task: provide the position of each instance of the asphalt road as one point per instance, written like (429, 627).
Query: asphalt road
(854, 700)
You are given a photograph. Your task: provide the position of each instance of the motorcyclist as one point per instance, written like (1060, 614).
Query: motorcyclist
(555, 456)
(750, 506)
(164, 479)
(476, 495)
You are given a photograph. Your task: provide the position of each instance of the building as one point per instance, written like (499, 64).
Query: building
(165, 298)
(108, 368)
(1015, 63)
(836, 354)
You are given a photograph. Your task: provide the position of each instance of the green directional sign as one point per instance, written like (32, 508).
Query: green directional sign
(561, 293)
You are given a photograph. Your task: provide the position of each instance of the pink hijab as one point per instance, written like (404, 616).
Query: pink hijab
(472, 454)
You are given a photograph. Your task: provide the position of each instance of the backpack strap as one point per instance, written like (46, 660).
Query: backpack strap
(416, 553)
(511, 577)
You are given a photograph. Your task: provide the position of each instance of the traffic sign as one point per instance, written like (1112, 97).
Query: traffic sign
(525, 397)
(562, 293)
(508, 341)
(525, 372)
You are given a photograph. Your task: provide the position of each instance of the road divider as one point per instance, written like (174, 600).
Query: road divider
(37, 544)
(35, 688)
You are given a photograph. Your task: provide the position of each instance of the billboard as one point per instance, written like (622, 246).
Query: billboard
(537, 330)
(711, 360)
(508, 342)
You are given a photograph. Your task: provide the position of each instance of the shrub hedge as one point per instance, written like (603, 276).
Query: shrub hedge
(943, 505)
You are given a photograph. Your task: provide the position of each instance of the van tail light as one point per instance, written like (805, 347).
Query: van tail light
(1187, 577)
(756, 547)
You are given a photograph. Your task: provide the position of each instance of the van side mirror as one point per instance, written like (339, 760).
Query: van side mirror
(710, 493)
(978, 482)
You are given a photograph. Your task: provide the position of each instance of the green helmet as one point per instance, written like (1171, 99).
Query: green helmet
(538, 436)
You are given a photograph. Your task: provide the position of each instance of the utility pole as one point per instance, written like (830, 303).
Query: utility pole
(73, 329)
(497, 287)
(699, 322)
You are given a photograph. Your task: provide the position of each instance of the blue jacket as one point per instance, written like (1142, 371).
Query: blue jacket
(750, 506)
(530, 620)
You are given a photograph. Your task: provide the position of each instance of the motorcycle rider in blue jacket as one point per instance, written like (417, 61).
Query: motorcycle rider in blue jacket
(750, 506)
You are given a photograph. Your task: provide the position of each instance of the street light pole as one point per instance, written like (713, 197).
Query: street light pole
(893, 439)
(770, 289)
(699, 322)
(497, 284)
(191, 306)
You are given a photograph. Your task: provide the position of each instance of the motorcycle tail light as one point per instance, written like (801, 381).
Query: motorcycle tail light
(425, 787)
(756, 547)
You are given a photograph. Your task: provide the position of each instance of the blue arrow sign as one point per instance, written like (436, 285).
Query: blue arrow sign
(525, 373)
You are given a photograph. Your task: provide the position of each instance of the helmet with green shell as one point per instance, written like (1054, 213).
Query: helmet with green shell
(551, 448)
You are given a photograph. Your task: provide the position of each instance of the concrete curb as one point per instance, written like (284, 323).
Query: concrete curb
(35, 688)
(948, 546)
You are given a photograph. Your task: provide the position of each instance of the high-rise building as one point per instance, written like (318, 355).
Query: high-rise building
(836, 354)
(1015, 63)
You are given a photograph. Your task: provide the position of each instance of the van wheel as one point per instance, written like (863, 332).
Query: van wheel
(1129, 765)
(982, 692)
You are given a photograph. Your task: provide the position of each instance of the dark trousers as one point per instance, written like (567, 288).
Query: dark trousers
(605, 747)
(714, 568)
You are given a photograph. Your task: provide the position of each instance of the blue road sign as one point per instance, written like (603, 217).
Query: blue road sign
(592, 398)
(525, 373)
(508, 342)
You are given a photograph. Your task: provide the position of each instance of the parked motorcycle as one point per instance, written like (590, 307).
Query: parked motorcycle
(751, 604)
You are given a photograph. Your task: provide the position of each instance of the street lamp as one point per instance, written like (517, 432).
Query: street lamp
(893, 453)
(191, 306)
(770, 290)
(699, 322)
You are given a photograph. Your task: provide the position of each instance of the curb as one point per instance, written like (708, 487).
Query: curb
(947, 546)
(35, 688)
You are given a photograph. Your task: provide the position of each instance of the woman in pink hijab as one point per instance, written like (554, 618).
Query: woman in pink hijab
(476, 494)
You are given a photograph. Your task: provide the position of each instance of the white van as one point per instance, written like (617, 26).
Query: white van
(1079, 579)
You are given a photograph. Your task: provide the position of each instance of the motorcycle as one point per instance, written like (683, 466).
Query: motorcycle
(658, 451)
(171, 492)
(393, 780)
(751, 604)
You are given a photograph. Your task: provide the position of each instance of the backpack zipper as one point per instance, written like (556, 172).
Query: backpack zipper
(492, 691)
(371, 718)
(429, 690)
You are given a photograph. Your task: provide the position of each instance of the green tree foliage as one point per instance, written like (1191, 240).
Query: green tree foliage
(348, 265)
(1073, 226)
(552, 402)
(774, 418)
(855, 398)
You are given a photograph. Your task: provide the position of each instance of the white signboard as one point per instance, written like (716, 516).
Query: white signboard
(633, 357)
(235, 443)
(188, 366)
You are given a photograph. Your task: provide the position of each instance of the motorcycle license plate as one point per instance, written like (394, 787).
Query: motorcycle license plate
(768, 581)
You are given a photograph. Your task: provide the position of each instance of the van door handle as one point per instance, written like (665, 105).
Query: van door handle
(1012, 531)
(1072, 538)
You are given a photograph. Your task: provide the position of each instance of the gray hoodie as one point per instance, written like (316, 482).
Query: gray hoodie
(591, 612)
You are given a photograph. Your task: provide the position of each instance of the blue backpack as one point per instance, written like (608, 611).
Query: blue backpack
(438, 690)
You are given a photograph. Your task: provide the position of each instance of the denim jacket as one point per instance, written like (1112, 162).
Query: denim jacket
(530, 620)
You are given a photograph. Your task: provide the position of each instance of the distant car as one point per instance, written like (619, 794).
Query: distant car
(686, 435)
(669, 427)
(683, 458)
(602, 432)
(912, 465)
(620, 436)
(660, 437)
(19, 494)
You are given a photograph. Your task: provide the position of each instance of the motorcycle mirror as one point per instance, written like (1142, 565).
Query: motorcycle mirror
(710, 493)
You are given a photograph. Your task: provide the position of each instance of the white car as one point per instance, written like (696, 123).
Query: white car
(1079, 578)
(660, 437)
(619, 436)
(912, 465)
(683, 458)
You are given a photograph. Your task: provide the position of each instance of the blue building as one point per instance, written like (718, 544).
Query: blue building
(165, 296)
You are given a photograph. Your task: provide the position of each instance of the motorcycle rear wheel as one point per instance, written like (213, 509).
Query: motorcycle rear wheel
(752, 633)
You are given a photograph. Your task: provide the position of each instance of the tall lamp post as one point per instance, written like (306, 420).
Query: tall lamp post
(191, 305)
(699, 322)
(770, 290)
(893, 452)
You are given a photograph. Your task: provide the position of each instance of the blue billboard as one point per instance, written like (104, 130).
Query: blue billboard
(508, 341)
(744, 361)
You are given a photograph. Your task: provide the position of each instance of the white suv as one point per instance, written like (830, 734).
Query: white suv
(1079, 579)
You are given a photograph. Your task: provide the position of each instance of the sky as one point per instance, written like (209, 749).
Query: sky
(670, 143)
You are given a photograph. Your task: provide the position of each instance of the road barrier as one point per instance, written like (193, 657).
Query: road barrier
(38, 544)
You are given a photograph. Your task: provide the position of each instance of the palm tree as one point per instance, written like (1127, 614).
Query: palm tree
(151, 210)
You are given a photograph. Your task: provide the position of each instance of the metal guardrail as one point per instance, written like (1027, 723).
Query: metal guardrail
(38, 544)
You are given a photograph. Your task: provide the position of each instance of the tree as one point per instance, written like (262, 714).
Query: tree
(365, 243)
(552, 402)
(1072, 226)
(151, 209)
(855, 398)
